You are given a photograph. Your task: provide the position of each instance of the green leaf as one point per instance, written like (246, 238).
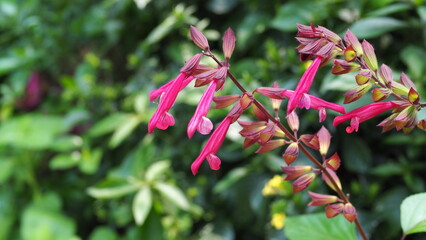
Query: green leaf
(90, 160)
(413, 214)
(103, 233)
(357, 154)
(40, 223)
(124, 130)
(65, 161)
(156, 169)
(112, 188)
(6, 168)
(108, 124)
(318, 227)
(299, 12)
(142, 204)
(173, 194)
(32, 131)
(375, 26)
(387, 10)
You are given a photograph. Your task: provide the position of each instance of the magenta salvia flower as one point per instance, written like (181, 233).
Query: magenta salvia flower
(162, 119)
(212, 146)
(308, 101)
(199, 121)
(304, 84)
(362, 114)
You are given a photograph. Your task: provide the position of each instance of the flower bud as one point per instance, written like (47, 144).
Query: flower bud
(225, 101)
(352, 40)
(363, 77)
(198, 38)
(192, 64)
(303, 182)
(321, 199)
(333, 210)
(271, 145)
(349, 54)
(380, 94)
(333, 162)
(385, 75)
(296, 171)
(342, 67)
(349, 212)
(369, 55)
(413, 96)
(356, 93)
(293, 121)
(324, 138)
(406, 81)
(310, 141)
(228, 43)
(334, 177)
(291, 153)
(422, 124)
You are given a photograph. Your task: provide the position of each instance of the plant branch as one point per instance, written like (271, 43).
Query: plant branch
(293, 138)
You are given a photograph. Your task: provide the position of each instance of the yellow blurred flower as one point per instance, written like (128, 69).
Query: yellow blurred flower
(273, 186)
(278, 220)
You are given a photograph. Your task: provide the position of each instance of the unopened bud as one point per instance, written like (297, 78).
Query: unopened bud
(198, 38)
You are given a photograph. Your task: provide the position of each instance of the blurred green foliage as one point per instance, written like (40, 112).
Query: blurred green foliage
(78, 164)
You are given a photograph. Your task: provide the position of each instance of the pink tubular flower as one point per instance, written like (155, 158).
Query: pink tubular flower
(363, 114)
(212, 146)
(199, 121)
(162, 119)
(308, 101)
(304, 84)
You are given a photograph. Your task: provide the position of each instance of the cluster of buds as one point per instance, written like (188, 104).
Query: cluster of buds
(360, 57)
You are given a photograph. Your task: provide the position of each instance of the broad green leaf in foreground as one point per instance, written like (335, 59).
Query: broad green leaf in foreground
(413, 214)
(318, 227)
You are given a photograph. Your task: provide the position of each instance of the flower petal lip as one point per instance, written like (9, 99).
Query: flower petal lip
(304, 84)
(202, 110)
(212, 146)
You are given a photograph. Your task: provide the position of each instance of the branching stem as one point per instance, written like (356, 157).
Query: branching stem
(294, 139)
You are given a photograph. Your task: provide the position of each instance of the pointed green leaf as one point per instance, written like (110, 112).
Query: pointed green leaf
(112, 188)
(375, 26)
(124, 130)
(413, 214)
(318, 227)
(156, 169)
(107, 124)
(173, 194)
(142, 204)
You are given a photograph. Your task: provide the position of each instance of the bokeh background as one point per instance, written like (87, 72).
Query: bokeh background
(75, 158)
